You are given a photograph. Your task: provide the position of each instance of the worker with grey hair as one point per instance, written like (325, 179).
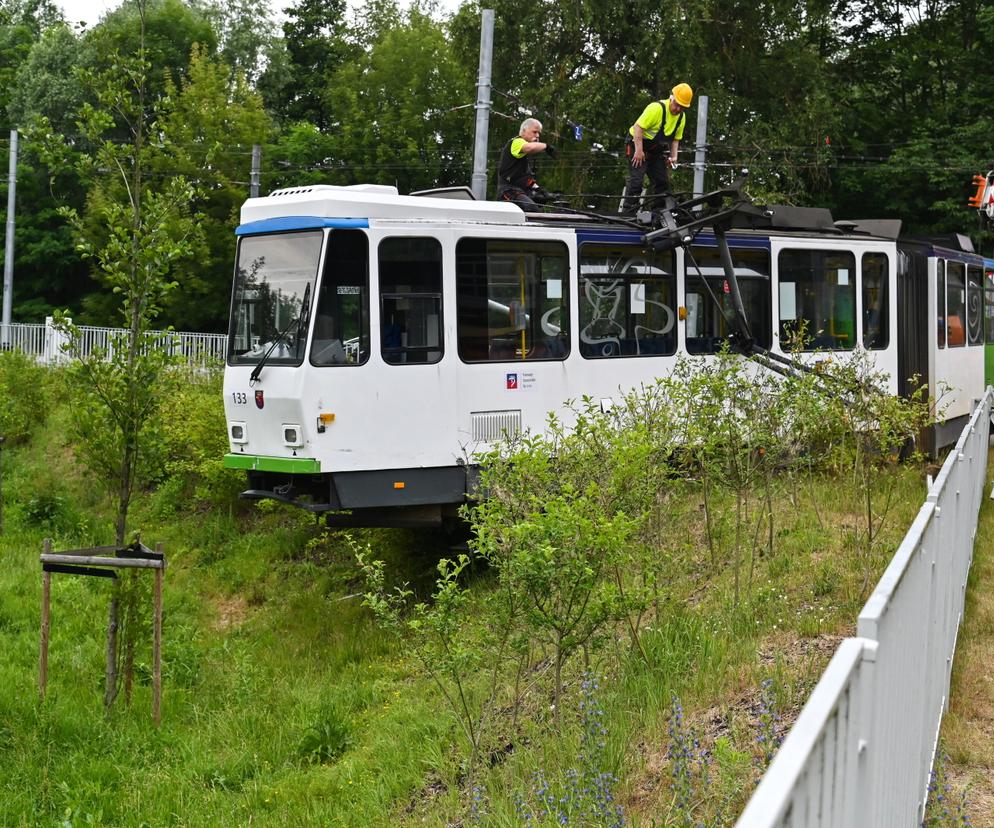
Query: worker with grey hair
(515, 173)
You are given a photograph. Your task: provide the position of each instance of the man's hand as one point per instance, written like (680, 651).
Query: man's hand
(551, 151)
(540, 195)
(638, 157)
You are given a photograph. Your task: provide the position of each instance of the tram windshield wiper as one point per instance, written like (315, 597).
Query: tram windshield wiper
(300, 323)
(280, 337)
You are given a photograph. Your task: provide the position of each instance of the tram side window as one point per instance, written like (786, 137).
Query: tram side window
(876, 333)
(940, 303)
(513, 300)
(817, 300)
(410, 300)
(955, 304)
(708, 323)
(989, 305)
(627, 301)
(974, 306)
(341, 324)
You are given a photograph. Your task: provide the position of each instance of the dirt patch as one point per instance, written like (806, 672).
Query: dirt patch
(792, 651)
(230, 612)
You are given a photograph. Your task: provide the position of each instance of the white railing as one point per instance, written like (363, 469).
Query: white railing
(27, 338)
(862, 748)
(45, 343)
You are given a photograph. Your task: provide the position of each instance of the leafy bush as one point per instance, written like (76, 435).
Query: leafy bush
(23, 395)
(46, 504)
(195, 444)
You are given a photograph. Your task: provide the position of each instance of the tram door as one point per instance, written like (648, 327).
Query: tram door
(914, 327)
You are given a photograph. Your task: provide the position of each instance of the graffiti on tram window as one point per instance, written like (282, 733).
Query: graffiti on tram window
(975, 306)
(627, 305)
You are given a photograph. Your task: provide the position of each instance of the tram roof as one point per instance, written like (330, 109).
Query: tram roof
(374, 201)
(324, 205)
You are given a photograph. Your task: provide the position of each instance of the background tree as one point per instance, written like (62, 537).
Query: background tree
(208, 123)
(245, 31)
(394, 102)
(315, 41)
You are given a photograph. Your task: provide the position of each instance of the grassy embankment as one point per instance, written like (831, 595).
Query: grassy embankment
(285, 704)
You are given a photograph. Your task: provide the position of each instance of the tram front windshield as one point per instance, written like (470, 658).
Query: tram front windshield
(273, 294)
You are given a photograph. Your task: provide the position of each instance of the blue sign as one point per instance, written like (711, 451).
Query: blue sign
(578, 132)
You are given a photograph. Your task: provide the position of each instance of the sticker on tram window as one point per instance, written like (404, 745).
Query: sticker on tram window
(239, 397)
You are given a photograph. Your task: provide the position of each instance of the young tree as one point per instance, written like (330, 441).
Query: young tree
(136, 236)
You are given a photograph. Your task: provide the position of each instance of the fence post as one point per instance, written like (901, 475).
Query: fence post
(46, 593)
(866, 762)
(54, 341)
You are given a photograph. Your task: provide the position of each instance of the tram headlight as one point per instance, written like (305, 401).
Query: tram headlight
(237, 433)
(293, 436)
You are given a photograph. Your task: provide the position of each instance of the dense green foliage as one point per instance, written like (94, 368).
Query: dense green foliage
(871, 109)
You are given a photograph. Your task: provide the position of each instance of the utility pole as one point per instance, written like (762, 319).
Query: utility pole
(702, 139)
(8, 256)
(483, 104)
(256, 171)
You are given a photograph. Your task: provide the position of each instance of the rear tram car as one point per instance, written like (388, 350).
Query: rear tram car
(377, 340)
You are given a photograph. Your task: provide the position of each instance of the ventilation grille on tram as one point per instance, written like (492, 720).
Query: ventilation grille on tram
(490, 426)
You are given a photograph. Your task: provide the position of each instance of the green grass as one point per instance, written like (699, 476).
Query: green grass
(285, 704)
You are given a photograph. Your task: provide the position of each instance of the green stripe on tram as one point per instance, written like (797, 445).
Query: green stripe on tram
(253, 462)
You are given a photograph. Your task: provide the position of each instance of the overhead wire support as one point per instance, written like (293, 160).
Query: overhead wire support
(479, 179)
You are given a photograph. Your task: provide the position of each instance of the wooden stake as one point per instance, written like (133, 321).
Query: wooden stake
(110, 683)
(46, 595)
(157, 647)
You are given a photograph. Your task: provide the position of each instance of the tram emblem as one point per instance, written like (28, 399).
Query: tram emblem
(512, 382)
(260, 400)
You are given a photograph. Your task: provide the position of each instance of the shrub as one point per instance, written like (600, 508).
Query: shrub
(196, 442)
(23, 395)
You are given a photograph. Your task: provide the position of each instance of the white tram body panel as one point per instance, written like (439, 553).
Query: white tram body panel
(379, 341)
(956, 349)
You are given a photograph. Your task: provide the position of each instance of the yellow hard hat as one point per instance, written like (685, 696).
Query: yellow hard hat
(683, 94)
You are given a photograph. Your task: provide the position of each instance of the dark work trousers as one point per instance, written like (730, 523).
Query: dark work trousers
(518, 196)
(654, 166)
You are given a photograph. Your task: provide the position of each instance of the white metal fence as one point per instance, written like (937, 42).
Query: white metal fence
(862, 749)
(45, 343)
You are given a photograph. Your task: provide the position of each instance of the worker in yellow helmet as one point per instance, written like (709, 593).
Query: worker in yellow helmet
(652, 144)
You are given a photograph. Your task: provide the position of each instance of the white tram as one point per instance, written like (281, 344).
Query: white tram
(377, 340)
